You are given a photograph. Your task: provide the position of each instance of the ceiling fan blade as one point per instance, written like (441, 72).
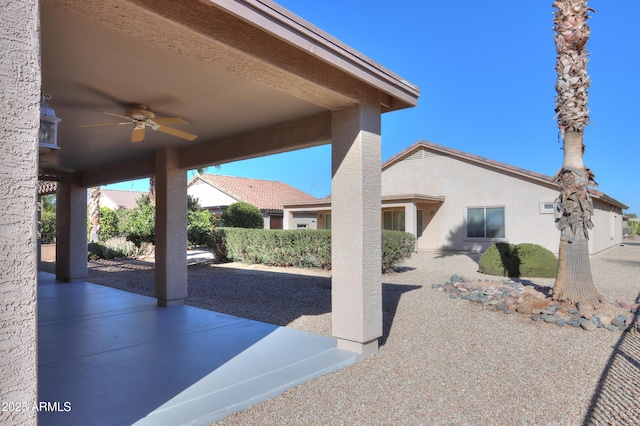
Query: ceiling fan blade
(168, 120)
(137, 135)
(176, 132)
(117, 115)
(104, 124)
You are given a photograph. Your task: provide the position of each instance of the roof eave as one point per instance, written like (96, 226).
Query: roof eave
(287, 26)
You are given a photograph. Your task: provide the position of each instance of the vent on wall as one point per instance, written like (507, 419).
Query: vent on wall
(421, 155)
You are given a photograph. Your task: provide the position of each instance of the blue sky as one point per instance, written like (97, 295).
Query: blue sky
(486, 75)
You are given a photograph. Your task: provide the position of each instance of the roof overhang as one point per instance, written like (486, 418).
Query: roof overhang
(250, 78)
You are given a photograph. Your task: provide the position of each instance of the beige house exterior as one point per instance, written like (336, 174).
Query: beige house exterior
(456, 201)
(119, 199)
(249, 77)
(217, 192)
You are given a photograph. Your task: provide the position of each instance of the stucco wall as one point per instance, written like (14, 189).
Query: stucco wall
(469, 185)
(208, 196)
(304, 220)
(19, 121)
(607, 230)
(465, 184)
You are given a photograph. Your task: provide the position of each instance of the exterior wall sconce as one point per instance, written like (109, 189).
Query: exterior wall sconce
(48, 134)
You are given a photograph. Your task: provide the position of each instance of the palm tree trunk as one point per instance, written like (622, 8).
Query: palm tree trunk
(152, 190)
(94, 214)
(573, 207)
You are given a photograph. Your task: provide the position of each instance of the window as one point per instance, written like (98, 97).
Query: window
(419, 222)
(393, 220)
(485, 222)
(327, 221)
(546, 207)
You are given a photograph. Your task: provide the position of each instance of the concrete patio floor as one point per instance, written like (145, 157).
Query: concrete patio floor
(110, 357)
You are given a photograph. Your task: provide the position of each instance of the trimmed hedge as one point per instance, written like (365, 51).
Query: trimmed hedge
(308, 248)
(311, 248)
(522, 260)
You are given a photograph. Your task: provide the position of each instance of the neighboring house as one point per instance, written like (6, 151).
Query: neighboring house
(455, 201)
(116, 199)
(215, 193)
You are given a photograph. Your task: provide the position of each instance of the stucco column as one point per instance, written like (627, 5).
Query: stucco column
(71, 231)
(411, 220)
(171, 229)
(286, 219)
(20, 78)
(356, 291)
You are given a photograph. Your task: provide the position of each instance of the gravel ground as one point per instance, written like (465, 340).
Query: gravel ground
(441, 361)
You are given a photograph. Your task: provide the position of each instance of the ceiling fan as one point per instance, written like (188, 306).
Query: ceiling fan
(141, 117)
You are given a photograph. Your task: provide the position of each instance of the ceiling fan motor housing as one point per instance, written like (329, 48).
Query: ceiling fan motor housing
(140, 113)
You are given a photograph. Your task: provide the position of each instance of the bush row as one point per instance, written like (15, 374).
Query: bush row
(308, 248)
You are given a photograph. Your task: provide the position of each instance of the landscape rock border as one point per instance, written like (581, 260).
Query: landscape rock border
(508, 297)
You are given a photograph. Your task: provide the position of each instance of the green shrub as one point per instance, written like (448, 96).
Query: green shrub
(199, 226)
(308, 248)
(48, 218)
(109, 224)
(113, 248)
(94, 251)
(396, 247)
(48, 226)
(522, 260)
(243, 215)
(631, 229)
(140, 226)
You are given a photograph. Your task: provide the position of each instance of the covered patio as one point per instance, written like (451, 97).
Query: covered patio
(223, 81)
(111, 357)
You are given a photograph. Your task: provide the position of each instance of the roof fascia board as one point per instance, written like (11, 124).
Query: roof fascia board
(294, 30)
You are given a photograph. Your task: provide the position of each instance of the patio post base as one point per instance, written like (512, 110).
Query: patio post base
(365, 350)
(172, 302)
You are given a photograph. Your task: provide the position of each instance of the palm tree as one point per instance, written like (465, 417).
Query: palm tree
(152, 190)
(574, 206)
(94, 214)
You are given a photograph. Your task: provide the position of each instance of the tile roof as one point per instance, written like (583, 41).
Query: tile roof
(124, 199)
(264, 194)
(47, 187)
(540, 178)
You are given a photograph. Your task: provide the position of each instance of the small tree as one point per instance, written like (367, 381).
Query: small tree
(109, 224)
(141, 223)
(243, 215)
(199, 223)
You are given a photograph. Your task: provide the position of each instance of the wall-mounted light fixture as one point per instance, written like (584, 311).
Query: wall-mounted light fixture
(48, 134)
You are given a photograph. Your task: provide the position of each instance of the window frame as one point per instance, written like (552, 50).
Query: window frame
(544, 210)
(484, 223)
(397, 215)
